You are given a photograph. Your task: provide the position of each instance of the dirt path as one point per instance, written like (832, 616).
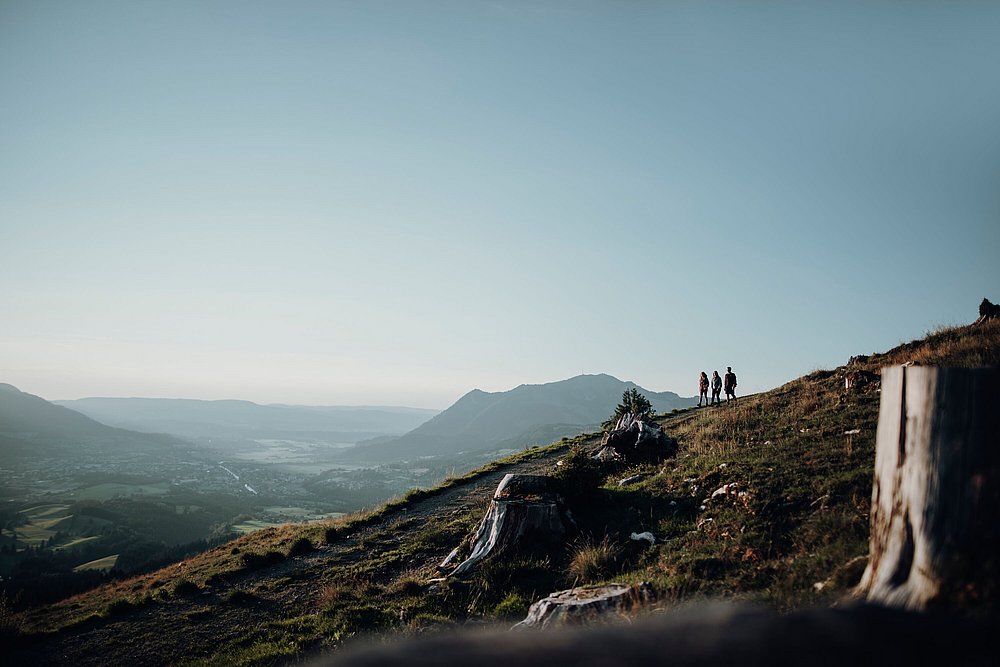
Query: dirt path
(167, 632)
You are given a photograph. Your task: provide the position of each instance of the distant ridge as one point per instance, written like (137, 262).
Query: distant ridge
(197, 418)
(528, 414)
(31, 427)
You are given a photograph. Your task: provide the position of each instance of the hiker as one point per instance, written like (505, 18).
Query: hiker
(716, 388)
(703, 387)
(730, 384)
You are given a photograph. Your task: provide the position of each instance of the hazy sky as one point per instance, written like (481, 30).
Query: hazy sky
(395, 202)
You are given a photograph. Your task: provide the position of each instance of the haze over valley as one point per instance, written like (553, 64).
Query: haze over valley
(122, 484)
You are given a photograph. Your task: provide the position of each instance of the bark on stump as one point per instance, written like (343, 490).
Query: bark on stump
(636, 441)
(935, 518)
(586, 604)
(522, 506)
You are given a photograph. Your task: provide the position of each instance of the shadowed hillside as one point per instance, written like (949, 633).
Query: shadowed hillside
(791, 531)
(31, 427)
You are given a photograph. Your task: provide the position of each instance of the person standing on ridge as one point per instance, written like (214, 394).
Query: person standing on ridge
(716, 388)
(730, 384)
(703, 387)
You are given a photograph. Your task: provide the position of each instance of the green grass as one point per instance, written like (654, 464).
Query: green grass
(106, 563)
(253, 525)
(111, 490)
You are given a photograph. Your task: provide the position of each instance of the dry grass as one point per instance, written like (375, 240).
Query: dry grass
(966, 346)
(592, 561)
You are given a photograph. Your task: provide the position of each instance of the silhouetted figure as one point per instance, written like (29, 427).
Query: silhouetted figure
(730, 384)
(703, 389)
(716, 388)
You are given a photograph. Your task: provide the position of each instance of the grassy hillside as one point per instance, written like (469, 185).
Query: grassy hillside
(792, 533)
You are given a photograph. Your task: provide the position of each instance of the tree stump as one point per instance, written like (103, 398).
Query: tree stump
(586, 604)
(935, 518)
(636, 440)
(522, 505)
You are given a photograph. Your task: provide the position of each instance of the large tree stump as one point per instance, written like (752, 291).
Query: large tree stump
(587, 604)
(935, 518)
(522, 506)
(636, 440)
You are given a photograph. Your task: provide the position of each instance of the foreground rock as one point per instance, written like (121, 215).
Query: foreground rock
(524, 507)
(587, 604)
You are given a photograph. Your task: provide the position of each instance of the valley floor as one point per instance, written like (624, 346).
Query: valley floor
(168, 631)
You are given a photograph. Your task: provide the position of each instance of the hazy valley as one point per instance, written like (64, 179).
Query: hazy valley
(107, 485)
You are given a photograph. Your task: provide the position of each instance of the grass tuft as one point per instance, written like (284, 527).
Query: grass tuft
(592, 561)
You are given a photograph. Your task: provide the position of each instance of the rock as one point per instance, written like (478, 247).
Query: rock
(648, 536)
(633, 478)
(578, 606)
(522, 506)
(725, 490)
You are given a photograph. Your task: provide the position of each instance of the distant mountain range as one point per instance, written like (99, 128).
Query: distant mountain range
(194, 418)
(525, 415)
(31, 427)
(480, 422)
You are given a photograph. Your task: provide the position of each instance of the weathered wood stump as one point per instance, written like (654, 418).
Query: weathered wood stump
(935, 519)
(635, 440)
(522, 506)
(587, 604)
(987, 311)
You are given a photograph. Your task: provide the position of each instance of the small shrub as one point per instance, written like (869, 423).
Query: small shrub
(579, 475)
(514, 605)
(301, 547)
(331, 534)
(354, 618)
(185, 588)
(409, 583)
(592, 561)
(11, 626)
(240, 596)
(633, 403)
(121, 606)
(252, 560)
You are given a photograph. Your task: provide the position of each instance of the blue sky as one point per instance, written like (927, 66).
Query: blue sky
(395, 202)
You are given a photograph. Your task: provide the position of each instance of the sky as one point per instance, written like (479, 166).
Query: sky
(396, 202)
